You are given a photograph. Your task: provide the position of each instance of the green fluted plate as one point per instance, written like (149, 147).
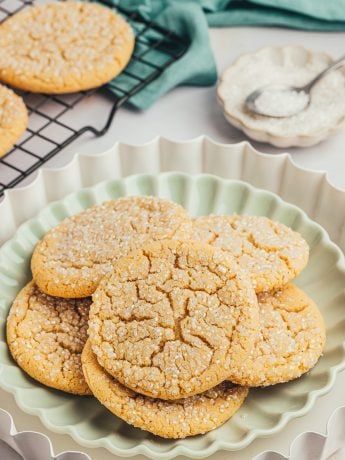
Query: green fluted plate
(266, 411)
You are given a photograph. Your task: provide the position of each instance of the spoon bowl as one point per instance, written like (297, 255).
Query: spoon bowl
(281, 101)
(277, 101)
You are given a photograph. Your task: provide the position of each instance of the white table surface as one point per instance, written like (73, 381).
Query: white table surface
(185, 113)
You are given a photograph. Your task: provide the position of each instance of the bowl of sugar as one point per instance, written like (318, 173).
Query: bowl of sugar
(287, 65)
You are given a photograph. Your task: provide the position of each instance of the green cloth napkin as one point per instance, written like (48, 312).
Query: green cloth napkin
(190, 19)
(318, 15)
(196, 67)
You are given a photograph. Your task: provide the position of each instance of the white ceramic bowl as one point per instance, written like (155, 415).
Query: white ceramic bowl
(294, 65)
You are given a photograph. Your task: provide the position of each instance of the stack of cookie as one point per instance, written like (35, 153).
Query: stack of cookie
(55, 48)
(166, 320)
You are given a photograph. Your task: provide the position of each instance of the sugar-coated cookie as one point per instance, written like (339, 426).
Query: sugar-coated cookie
(270, 253)
(72, 258)
(290, 341)
(13, 118)
(172, 319)
(63, 47)
(46, 336)
(168, 419)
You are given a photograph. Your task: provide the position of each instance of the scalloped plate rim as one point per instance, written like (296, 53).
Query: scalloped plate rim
(14, 433)
(202, 138)
(300, 436)
(173, 173)
(180, 450)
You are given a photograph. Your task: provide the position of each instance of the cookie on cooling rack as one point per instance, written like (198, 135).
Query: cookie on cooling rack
(13, 118)
(63, 47)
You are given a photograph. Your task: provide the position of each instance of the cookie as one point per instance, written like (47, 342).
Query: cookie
(172, 319)
(46, 336)
(63, 47)
(168, 419)
(291, 339)
(13, 119)
(270, 253)
(74, 256)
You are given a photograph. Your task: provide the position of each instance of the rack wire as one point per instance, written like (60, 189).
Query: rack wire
(48, 132)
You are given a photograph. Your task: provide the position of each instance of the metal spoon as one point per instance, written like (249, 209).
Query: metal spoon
(301, 94)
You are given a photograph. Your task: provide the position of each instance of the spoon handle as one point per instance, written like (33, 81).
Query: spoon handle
(338, 63)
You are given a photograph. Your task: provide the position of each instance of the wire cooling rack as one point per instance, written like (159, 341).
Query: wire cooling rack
(48, 131)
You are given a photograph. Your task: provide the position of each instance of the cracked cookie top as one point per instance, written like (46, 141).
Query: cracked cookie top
(63, 47)
(291, 339)
(72, 258)
(13, 119)
(46, 336)
(168, 419)
(173, 319)
(270, 253)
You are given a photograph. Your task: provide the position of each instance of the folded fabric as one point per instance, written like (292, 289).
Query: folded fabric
(318, 15)
(190, 19)
(196, 67)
